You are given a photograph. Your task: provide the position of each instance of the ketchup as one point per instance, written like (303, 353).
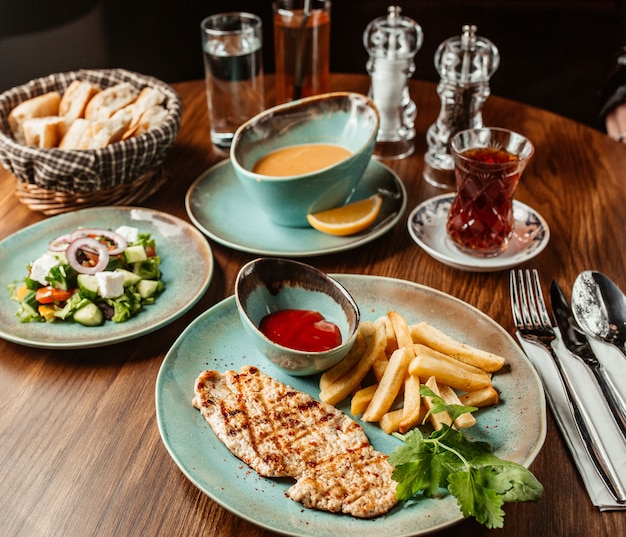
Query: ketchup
(303, 330)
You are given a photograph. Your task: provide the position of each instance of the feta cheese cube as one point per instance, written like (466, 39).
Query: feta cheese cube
(41, 268)
(131, 234)
(110, 284)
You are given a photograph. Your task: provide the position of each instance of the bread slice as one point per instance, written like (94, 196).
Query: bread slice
(40, 106)
(108, 101)
(74, 134)
(75, 99)
(148, 98)
(102, 133)
(43, 132)
(125, 114)
(151, 118)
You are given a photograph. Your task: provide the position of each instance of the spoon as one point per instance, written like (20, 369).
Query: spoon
(599, 307)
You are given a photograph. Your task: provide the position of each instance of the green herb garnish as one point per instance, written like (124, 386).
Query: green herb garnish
(447, 459)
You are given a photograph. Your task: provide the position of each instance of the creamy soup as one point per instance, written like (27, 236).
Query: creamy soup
(300, 159)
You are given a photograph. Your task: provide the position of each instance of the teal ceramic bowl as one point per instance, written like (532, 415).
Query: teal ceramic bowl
(346, 119)
(266, 285)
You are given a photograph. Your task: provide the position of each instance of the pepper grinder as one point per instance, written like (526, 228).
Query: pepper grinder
(465, 64)
(392, 43)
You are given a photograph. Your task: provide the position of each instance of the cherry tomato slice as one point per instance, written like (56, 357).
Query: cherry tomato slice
(49, 295)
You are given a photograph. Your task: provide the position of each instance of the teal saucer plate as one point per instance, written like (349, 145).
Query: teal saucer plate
(186, 263)
(220, 207)
(515, 427)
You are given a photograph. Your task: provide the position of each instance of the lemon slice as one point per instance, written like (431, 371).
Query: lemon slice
(347, 219)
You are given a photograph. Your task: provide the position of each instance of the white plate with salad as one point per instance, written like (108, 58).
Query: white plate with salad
(162, 265)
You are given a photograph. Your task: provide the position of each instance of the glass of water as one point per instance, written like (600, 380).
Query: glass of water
(233, 66)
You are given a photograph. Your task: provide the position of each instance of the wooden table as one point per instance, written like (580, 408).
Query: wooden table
(80, 452)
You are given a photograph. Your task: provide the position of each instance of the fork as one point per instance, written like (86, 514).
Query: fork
(533, 324)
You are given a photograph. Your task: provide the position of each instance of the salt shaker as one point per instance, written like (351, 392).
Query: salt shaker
(465, 64)
(392, 43)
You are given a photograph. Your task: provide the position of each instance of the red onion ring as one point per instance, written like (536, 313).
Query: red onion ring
(90, 245)
(60, 244)
(120, 242)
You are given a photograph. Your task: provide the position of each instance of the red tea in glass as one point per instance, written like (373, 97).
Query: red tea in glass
(480, 220)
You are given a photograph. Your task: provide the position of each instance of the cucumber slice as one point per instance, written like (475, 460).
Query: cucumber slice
(130, 278)
(135, 254)
(89, 315)
(88, 285)
(147, 288)
(30, 300)
(29, 306)
(148, 269)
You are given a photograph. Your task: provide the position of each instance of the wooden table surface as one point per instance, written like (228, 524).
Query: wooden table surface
(80, 451)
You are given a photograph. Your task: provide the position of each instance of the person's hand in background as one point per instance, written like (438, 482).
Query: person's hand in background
(616, 123)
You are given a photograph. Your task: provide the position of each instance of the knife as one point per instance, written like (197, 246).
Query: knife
(577, 344)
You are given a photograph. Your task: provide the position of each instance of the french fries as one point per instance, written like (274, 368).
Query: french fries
(486, 396)
(451, 397)
(437, 419)
(389, 386)
(379, 366)
(361, 399)
(346, 384)
(428, 363)
(367, 328)
(412, 409)
(400, 330)
(436, 339)
(384, 371)
(390, 422)
(349, 361)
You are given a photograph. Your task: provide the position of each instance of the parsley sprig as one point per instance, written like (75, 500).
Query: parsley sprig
(447, 459)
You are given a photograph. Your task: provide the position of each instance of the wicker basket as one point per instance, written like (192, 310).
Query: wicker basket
(54, 181)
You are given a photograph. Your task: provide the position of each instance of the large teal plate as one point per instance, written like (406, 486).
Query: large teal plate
(220, 207)
(516, 427)
(186, 263)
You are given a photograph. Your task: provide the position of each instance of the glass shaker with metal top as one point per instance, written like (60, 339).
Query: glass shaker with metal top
(465, 64)
(392, 43)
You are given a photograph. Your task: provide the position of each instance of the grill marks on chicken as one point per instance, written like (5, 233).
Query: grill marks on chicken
(281, 432)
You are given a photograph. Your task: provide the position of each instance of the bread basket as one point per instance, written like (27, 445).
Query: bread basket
(54, 181)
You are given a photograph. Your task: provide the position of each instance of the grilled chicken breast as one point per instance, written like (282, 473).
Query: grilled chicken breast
(281, 432)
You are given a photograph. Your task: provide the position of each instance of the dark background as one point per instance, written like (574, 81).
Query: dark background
(554, 53)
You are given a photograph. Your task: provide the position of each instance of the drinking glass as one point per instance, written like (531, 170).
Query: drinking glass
(301, 48)
(233, 66)
(488, 164)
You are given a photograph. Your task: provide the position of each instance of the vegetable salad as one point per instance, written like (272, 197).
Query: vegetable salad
(91, 276)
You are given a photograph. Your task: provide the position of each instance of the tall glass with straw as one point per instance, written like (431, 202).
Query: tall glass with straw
(301, 48)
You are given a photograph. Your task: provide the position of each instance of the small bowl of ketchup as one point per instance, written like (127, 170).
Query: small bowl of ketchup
(301, 319)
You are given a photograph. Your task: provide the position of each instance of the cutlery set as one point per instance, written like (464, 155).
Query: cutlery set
(598, 310)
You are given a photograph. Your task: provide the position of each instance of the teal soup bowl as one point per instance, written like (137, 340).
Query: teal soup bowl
(344, 119)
